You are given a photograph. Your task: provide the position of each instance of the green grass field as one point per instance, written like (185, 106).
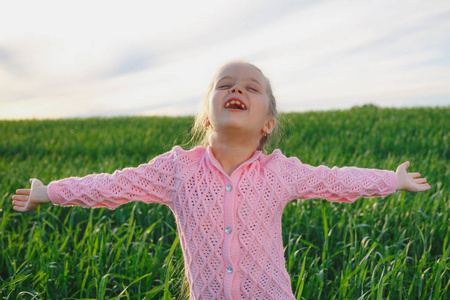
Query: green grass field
(397, 247)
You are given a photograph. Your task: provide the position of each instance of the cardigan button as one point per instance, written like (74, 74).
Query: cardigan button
(229, 270)
(228, 230)
(229, 188)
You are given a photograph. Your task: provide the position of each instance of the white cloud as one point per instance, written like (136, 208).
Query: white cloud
(105, 58)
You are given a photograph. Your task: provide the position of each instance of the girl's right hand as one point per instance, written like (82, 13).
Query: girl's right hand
(29, 199)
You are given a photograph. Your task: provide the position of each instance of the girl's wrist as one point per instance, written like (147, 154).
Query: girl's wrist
(401, 185)
(42, 195)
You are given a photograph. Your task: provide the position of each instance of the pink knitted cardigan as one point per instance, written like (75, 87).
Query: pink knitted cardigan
(229, 226)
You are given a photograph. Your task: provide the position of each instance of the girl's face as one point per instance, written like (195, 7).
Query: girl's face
(239, 100)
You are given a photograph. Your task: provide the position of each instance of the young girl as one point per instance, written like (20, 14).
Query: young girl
(227, 196)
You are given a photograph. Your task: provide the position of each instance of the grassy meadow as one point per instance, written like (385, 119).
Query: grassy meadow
(397, 247)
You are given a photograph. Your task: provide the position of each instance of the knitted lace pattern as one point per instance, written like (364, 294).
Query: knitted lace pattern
(229, 226)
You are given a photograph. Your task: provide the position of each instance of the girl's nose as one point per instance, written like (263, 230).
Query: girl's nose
(236, 89)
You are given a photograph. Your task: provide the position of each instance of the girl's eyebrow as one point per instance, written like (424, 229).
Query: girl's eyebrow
(249, 79)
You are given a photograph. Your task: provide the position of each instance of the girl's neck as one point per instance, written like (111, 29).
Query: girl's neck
(230, 154)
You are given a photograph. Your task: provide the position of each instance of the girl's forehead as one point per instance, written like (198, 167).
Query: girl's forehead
(241, 71)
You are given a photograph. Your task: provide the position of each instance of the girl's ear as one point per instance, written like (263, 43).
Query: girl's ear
(269, 126)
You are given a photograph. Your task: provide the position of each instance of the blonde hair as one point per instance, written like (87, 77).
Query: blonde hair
(200, 135)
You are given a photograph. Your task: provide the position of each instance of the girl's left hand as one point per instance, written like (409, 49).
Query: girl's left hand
(410, 182)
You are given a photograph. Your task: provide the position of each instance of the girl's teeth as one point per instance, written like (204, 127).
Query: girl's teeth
(235, 102)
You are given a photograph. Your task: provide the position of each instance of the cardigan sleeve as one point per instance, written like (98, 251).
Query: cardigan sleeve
(156, 181)
(302, 181)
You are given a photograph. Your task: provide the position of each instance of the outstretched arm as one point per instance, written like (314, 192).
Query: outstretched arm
(410, 182)
(28, 199)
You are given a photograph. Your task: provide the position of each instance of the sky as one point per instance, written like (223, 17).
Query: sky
(72, 59)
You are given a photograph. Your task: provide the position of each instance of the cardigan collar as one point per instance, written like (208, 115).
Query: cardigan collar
(216, 163)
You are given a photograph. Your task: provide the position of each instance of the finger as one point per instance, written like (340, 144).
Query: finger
(19, 203)
(35, 181)
(402, 167)
(413, 175)
(420, 180)
(20, 198)
(423, 187)
(405, 165)
(19, 208)
(23, 191)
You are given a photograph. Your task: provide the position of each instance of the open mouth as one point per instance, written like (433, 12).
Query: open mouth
(235, 104)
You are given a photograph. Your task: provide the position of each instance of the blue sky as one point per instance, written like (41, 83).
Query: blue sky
(106, 58)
